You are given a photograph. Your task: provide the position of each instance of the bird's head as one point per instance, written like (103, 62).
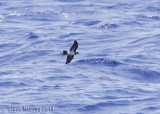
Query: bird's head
(77, 53)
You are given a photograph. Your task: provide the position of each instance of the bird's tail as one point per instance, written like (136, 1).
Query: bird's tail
(65, 52)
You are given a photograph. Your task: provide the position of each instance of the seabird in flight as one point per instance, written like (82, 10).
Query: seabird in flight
(71, 52)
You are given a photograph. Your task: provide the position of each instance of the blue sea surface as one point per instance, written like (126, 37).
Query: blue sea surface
(117, 70)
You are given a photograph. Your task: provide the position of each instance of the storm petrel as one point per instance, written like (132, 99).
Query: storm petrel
(71, 52)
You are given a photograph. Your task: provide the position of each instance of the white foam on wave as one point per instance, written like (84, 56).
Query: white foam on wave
(15, 14)
(1, 17)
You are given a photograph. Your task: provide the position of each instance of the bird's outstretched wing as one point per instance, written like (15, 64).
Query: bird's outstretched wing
(74, 46)
(69, 58)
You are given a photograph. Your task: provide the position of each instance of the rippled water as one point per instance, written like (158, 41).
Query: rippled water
(117, 70)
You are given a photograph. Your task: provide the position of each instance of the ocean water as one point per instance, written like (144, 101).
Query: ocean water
(117, 70)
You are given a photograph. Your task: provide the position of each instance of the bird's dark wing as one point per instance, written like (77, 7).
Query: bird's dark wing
(74, 46)
(69, 58)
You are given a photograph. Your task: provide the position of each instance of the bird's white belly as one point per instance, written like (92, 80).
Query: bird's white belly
(71, 53)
